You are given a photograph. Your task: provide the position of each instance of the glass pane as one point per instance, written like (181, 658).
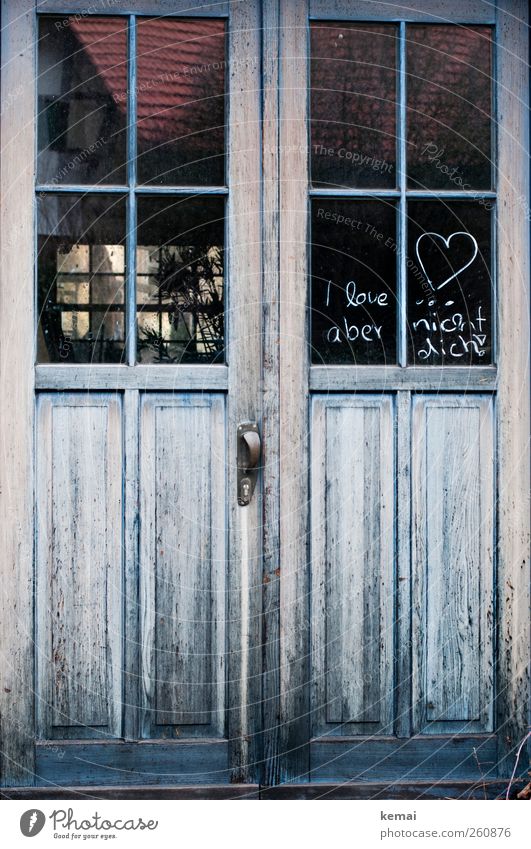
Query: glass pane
(82, 100)
(449, 283)
(353, 105)
(181, 101)
(81, 270)
(354, 253)
(449, 98)
(180, 280)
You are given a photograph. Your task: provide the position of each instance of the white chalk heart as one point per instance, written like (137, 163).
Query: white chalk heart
(446, 243)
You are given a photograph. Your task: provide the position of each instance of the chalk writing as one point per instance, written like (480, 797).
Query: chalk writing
(450, 309)
(365, 328)
(455, 336)
(448, 334)
(446, 243)
(353, 298)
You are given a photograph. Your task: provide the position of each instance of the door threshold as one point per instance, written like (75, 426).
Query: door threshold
(418, 790)
(373, 790)
(87, 791)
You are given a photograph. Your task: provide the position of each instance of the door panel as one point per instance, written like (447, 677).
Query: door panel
(79, 565)
(396, 759)
(395, 604)
(146, 321)
(352, 564)
(127, 764)
(183, 564)
(453, 542)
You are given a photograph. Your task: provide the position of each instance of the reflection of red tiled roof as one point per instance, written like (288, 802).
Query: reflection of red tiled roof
(353, 85)
(449, 85)
(104, 43)
(354, 88)
(180, 71)
(190, 57)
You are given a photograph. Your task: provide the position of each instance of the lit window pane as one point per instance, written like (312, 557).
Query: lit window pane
(180, 280)
(81, 273)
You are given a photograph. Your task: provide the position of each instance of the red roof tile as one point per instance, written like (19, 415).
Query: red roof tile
(180, 72)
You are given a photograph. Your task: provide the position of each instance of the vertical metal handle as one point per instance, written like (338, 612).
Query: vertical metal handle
(252, 441)
(248, 457)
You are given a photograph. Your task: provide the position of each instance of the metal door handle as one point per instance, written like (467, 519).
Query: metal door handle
(252, 440)
(248, 456)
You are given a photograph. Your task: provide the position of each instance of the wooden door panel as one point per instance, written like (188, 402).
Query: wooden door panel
(396, 759)
(428, 705)
(352, 563)
(125, 764)
(453, 499)
(182, 564)
(79, 565)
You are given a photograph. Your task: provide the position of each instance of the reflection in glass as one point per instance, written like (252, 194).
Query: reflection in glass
(449, 283)
(353, 104)
(181, 101)
(449, 102)
(82, 100)
(81, 269)
(180, 291)
(354, 254)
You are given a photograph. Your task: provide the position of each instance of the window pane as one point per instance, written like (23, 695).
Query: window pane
(449, 283)
(353, 281)
(181, 101)
(82, 100)
(353, 105)
(180, 280)
(449, 85)
(81, 268)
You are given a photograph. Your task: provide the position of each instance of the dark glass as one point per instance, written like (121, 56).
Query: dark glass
(449, 107)
(82, 100)
(81, 269)
(180, 279)
(354, 254)
(181, 101)
(449, 283)
(353, 104)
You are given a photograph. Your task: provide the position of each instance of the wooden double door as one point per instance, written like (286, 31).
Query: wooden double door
(264, 378)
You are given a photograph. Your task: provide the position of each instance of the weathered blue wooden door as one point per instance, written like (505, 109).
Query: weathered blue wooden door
(145, 666)
(308, 216)
(403, 471)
